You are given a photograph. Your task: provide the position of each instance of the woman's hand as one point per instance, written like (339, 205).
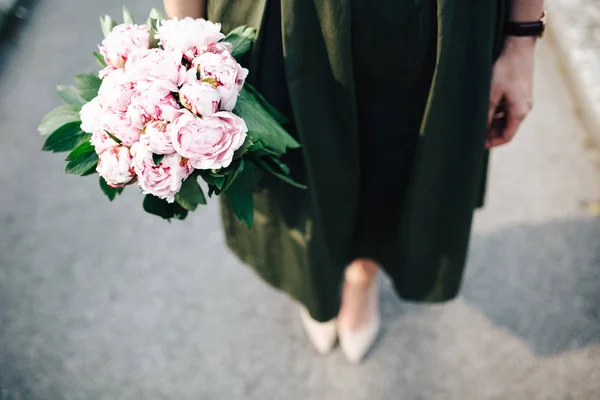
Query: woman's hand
(511, 95)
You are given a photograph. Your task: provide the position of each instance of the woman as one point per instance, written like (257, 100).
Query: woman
(391, 101)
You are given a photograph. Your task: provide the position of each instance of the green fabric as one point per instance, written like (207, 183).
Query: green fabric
(306, 61)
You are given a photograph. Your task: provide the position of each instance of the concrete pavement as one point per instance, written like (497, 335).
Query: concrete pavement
(163, 311)
(573, 28)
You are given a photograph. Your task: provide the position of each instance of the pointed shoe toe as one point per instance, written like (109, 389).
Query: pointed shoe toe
(323, 335)
(356, 343)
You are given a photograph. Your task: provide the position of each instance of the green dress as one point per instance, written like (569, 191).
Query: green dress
(389, 99)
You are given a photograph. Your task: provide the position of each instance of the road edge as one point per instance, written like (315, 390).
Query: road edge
(585, 103)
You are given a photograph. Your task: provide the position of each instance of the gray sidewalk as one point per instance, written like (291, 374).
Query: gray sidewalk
(574, 28)
(102, 301)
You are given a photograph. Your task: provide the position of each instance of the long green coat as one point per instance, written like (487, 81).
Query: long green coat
(303, 62)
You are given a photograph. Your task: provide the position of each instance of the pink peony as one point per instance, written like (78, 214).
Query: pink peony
(101, 141)
(117, 124)
(209, 142)
(116, 90)
(228, 74)
(163, 180)
(122, 41)
(151, 104)
(199, 97)
(115, 166)
(217, 48)
(156, 137)
(188, 35)
(156, 68)
(90, 115)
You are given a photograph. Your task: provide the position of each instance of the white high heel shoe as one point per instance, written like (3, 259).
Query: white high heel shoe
(322, 335)
(356, 343)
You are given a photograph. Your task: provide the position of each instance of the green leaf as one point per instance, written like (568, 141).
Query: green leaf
(190, 195)
(241, 39)
(155, 15)
(278, 116)
(218, 172)
(157, 158)
(90, 171)
(240, 192)
(100, 59)
(153, 42)
(83, 148)
(153, 21)
(258, 149)
(261, 123)
(163, 209)
(276, 163)
(107, 24)
(127, 16)
(213, 190)
(279, 170)
(207, 177)
(244, 149)
(82, 159)
(58, 117)
(236, 170)
(110, 192)
(88, 85)
(219, 182)
(83, 165)
(66, 138)
(70, 96)
(113, 137)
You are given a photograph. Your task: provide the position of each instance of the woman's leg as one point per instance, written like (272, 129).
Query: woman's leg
(359, 321)
(358, 306)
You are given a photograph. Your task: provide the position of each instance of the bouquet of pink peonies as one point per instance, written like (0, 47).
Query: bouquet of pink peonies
(170, 106)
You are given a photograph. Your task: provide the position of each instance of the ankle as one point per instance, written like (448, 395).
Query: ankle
(361, 272)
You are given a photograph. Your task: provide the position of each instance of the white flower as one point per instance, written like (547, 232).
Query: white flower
(163, 180)
(188, 35)
(122, 41)
(114, 165)
(156, 68)
(90, 115)
(151, 104)
(116, 90)
(156, 137)
(101, 141)
(200, 97)
(118, 124)
(228, 75)
(209, 142)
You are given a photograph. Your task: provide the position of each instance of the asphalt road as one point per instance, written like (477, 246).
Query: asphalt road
(102, 301)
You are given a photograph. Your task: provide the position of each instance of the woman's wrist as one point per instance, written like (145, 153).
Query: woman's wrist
(526, 10)
(519, 43)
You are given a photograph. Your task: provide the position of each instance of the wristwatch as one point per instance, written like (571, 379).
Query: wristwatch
(535, 28)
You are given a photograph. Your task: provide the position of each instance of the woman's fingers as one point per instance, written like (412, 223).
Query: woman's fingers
(516, 108)
(516, 113)
(495, 130)
(511, 90)
(495, 99)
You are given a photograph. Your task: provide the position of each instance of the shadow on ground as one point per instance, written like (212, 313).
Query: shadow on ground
(540, 282)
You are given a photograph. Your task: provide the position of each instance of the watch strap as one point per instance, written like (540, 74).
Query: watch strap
(534, 28)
